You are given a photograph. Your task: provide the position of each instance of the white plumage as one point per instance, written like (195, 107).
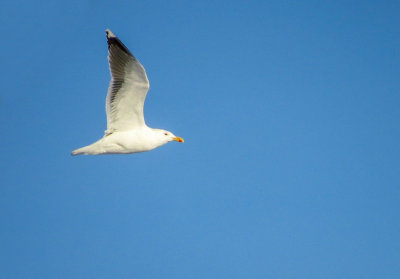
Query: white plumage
(126, 131)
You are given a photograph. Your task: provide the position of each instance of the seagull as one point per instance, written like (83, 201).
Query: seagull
(126, 131)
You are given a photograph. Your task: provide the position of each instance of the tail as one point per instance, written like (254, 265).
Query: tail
(78, 151)
(95, 148)
(86, 150)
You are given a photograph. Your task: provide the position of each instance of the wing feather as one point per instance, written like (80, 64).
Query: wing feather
(127, 90)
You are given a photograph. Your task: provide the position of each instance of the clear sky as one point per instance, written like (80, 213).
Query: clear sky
(290, 166)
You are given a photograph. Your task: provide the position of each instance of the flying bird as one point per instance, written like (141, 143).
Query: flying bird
(126, 131)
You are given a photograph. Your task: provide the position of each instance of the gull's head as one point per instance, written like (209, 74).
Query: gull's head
(168, 136)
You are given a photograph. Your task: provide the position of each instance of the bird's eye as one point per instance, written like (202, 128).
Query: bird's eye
(166, 134)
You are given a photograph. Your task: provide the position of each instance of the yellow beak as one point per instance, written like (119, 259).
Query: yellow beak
(178, 139)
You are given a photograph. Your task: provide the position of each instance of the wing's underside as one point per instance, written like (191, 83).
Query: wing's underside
(127, 90)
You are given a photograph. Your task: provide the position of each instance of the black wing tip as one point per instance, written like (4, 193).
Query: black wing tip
(110, 34)
(113, 40)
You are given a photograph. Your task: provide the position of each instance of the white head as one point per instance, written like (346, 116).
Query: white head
(168, 136)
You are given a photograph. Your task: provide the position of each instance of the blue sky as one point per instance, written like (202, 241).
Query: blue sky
(290, 166)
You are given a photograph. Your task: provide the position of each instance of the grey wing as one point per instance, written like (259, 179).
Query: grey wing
(127, 90)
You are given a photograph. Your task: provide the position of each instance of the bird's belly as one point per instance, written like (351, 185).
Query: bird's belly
(129, 142)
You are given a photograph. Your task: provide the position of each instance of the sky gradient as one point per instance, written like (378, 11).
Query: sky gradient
(290, 166)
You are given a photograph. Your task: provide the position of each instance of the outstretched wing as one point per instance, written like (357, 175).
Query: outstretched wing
(127, 90)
